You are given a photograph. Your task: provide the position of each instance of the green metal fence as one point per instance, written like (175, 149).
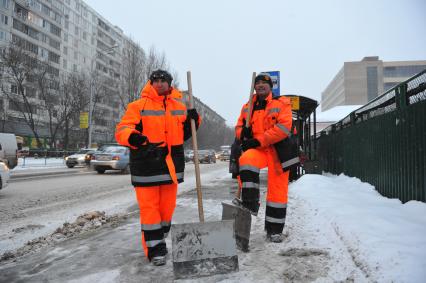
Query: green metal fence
(383, 143)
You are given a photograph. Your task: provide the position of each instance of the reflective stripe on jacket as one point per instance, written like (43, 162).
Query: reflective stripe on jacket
(161, 119)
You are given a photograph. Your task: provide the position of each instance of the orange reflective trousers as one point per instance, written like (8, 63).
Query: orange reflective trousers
(251, 162)
(156, 206)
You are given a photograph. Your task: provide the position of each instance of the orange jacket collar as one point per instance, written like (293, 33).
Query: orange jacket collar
(268, 98)
(149, 91)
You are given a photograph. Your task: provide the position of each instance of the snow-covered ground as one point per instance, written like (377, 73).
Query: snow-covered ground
(385, 238)
(338, 229)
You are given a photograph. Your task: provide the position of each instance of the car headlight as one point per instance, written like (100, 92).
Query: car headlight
(66, 158)
(5, 167)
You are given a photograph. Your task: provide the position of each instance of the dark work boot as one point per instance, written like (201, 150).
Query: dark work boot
(158, 254)
(275, 238)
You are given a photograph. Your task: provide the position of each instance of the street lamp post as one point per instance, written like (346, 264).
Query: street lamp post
(90, 126)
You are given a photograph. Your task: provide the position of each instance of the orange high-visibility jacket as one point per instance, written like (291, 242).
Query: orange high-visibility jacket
(270, 125)
(161, 119)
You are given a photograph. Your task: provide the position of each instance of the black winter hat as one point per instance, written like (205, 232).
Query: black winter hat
(161, 74)
(263, 77)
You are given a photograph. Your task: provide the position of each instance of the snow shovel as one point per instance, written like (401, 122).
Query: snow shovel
(241, 216)
(204, 248)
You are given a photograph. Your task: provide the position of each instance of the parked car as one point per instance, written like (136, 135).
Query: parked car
(224, 155)
(111, 157)
(207, 156)
(78, 158)
(4, 175)
(88, 157)
(189, 155)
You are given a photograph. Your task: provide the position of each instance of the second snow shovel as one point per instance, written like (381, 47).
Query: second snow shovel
(232, 211)
(204, 248)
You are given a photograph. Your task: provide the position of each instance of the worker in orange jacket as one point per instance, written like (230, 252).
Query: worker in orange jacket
(155, 128)
(270, 123)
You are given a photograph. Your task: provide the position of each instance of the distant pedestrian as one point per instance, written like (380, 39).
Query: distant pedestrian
(155, 128)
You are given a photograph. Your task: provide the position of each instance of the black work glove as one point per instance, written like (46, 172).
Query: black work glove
(192, 114)
(250, 143)
(137, 140)
(246, 133)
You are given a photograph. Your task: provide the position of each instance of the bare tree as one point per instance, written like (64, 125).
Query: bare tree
(17, 73)
(155, 61)
(73, 99)
(3, 114)
(133, 68)
(47, 85)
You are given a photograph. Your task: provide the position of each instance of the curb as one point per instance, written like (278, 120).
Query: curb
(34, 175)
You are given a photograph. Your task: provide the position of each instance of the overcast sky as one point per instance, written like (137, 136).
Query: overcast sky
(223, 41)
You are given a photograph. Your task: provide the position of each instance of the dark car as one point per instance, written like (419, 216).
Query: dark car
(207, 156)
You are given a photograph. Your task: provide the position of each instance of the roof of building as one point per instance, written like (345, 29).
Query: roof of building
(336, 113)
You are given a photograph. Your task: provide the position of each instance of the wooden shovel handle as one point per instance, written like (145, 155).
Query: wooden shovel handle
(195, 148)
(253, 77)
(250, 100)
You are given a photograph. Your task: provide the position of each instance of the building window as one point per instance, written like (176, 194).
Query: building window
(54, 57)
(44, 53)
(65, 50)
(4, 4)
(75, 55)
(55, 30)
(402, 71)
(65, 37)
(4, 35)
(74, 67)
(372, 83)
(388, 86)
(65, 64)
(55, 44)
(76, 31)
(13, 89)
(84, 35)
(67, 24)
(4, 19)
(45, 9)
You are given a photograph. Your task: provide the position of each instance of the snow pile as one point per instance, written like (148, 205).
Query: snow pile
(29, 163)
(86, 222)
(385, 238)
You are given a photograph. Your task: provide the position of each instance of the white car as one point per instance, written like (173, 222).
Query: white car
(4, 175)
(78, 158)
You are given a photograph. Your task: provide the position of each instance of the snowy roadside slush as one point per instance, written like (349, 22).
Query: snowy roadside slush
(66, 223)
(385, 238)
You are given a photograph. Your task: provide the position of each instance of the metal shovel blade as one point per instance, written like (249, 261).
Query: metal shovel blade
(203, 249)
(242, 224)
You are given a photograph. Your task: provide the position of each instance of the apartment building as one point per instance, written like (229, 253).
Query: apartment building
(356, 83)
(72, 37)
